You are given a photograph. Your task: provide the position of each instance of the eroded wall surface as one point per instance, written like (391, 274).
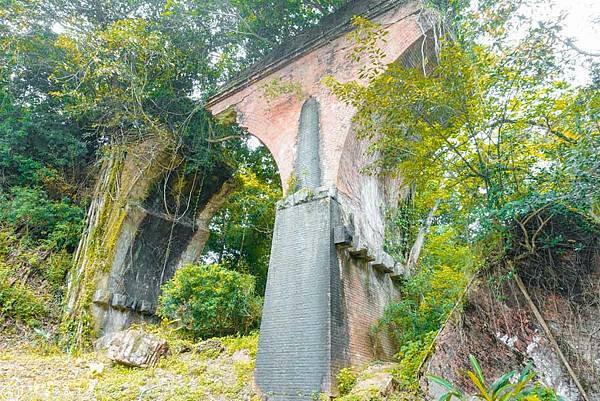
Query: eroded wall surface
(144, 222)
(158, 235)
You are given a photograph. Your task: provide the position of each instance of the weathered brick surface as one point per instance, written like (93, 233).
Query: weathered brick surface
(296, 346)
(366, 294)
(320, 305)
(275, 121)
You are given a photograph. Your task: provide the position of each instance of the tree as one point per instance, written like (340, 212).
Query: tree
(83, 82)
(485, 126)
(242, 230)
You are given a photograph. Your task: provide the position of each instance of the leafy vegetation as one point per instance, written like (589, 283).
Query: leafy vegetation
(429, 296)
(492, 140)
(82, 83)
(241, 231)
(209, 300)
(31, 282)
(511, 386)
(493, 143)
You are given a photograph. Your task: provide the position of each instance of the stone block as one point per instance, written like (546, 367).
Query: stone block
(211, 347)
(134, 348)
(145, 307)
(359, 252)
(379, 266)
(342, 237)
(376, 382)
(101, 297)
(119, 301)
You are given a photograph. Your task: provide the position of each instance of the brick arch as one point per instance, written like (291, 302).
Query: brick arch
(329, 277)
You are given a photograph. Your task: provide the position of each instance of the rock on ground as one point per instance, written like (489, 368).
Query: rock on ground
(133, 348)
(375, 381)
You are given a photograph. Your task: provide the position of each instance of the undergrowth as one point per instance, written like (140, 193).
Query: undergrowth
(31, 284)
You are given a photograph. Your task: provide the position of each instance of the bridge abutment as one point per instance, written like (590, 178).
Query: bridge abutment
(303, 331)
(323, 296)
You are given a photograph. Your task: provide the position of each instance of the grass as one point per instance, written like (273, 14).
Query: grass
(28, 375)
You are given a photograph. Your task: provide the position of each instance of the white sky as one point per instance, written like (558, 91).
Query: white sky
(580, 24)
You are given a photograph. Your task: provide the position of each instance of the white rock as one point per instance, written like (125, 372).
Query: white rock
(133, 348)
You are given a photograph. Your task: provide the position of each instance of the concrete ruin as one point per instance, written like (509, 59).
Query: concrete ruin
(145, 221)
(329, 277)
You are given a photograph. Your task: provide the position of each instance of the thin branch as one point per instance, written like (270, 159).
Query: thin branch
(223, 139)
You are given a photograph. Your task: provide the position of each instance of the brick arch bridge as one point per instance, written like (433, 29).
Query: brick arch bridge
(329, 277)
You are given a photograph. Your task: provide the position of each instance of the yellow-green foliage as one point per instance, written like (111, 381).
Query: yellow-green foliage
(433, 292)
(277, 88)
(292, 183)
(411, 357)
(31, 280)
(18, 302)
(237, 343)
(346, 379)
(95, 254)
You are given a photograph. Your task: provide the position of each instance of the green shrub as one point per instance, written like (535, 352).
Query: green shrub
(429, 296)
(411, 356)
(17, 301)
(209, 300)
(346, 379)
(55, 272)
(30, 212)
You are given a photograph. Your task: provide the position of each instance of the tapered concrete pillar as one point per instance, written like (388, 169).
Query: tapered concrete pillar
(303, 336)
(330, 278)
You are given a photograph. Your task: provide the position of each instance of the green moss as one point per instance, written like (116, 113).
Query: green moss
(276, 88)
(237, 343)
(120, 184)
(95, 257)
(411, 358)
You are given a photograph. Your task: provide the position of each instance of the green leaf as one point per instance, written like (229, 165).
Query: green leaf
(500, 384)
(480, 386)
(442, 382)
(477, 369)
(521, 384)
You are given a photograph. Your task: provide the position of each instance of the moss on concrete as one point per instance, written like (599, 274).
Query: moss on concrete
(126, 177)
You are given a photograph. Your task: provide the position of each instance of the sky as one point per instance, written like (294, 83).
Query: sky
(582, 25)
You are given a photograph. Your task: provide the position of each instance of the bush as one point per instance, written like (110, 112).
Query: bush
(33, 214)
(32, 280)
(346, 379)
(430, 295)
(209, 300)
(17, 301)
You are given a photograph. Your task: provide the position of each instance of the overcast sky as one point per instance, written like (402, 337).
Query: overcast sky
(582, 25)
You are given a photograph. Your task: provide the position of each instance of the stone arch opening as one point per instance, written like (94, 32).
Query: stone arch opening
(164, 221)
(241, 228)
